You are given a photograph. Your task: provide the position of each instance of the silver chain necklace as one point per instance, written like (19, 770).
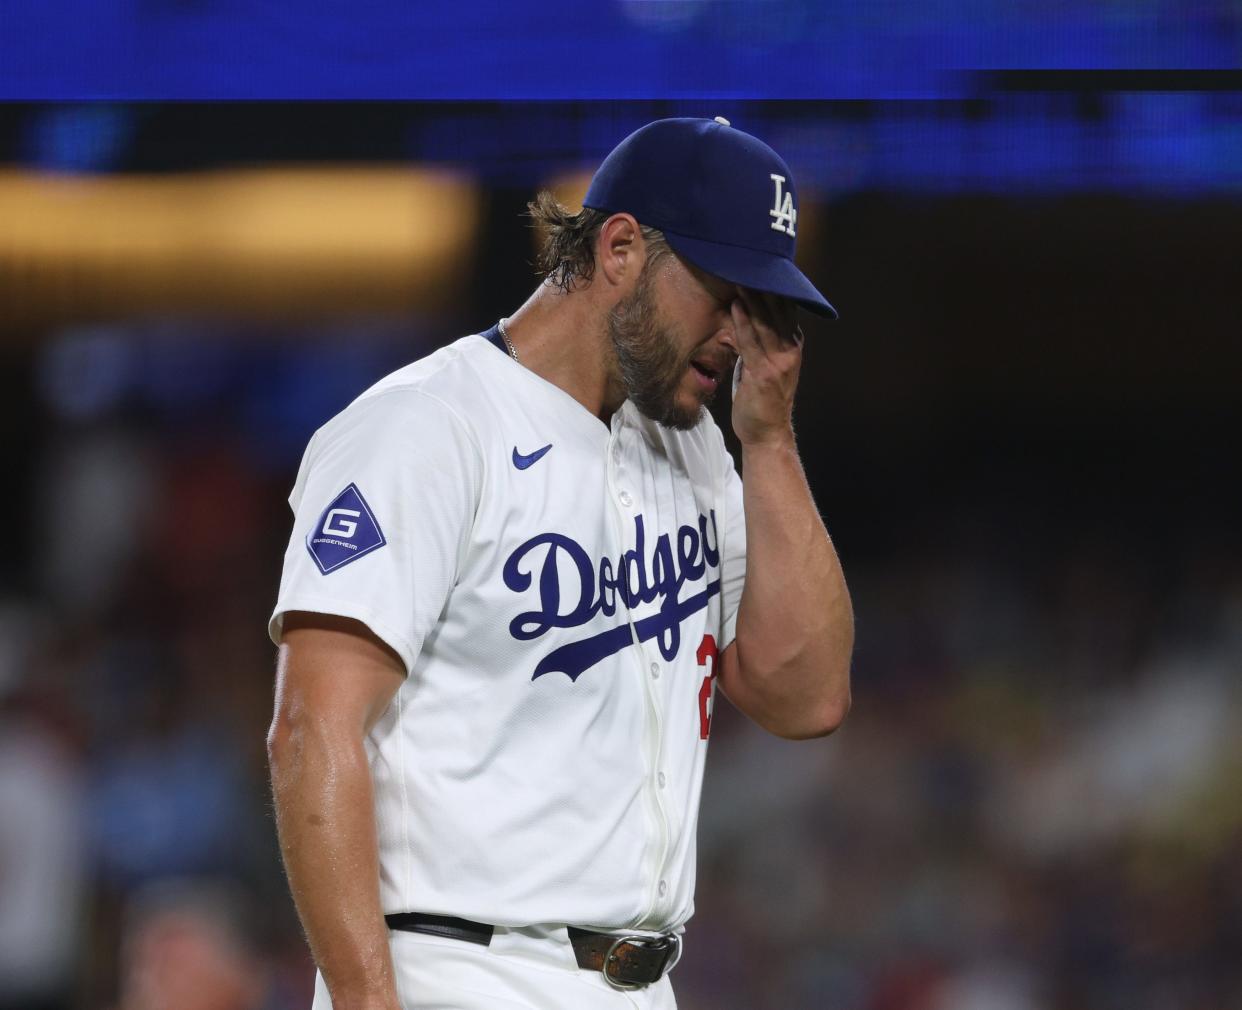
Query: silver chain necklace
(505, 334)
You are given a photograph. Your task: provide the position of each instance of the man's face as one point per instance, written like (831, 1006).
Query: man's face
(673, 338)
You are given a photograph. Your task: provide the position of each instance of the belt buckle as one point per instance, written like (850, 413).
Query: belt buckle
(638, 940)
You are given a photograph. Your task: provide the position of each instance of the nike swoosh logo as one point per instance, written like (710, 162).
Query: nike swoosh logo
(522, 462)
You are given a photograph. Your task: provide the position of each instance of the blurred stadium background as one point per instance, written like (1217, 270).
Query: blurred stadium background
(1023, 433)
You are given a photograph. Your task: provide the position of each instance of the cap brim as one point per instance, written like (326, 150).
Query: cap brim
(752, 269)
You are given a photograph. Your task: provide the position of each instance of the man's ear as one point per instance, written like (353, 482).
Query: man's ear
(620, 250)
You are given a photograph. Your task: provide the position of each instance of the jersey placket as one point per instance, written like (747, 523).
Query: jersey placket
(625, 497)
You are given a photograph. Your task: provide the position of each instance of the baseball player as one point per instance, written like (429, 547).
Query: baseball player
(520, 568)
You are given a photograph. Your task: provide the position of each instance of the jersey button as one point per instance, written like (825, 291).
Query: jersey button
(626, 500)
(663, 888)
(655, 670)
(660, 779)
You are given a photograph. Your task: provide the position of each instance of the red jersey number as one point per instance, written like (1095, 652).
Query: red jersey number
(707, 656)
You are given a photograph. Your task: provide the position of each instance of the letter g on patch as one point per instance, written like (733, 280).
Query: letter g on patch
(335, 524)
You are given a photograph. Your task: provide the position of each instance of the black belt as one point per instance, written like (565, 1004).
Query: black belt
(627, 960)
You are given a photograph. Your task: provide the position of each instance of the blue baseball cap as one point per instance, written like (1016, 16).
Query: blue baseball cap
(724, 200)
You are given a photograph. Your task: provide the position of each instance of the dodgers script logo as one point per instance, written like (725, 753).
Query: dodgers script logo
(634, 578)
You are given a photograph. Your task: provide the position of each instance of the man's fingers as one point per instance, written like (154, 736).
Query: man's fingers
(749, 342)
(774, 318)
(782, 316)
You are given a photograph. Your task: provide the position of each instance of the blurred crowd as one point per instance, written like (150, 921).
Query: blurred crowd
(1033, 806)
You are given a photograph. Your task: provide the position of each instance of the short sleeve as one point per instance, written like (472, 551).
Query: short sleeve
(383, 507)
(732, 550)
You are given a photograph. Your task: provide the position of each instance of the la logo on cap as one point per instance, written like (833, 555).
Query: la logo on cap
(784, 215)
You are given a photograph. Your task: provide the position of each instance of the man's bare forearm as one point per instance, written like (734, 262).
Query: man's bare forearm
(325, 818)
(795, 629)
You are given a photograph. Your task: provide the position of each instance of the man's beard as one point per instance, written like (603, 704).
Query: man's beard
(651, 365)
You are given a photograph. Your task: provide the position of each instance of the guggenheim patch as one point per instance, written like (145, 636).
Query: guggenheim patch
(346, 531)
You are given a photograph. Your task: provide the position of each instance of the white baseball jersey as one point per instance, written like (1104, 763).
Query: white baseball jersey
(559, 590)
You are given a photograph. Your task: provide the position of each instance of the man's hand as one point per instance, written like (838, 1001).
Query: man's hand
(769, 344)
